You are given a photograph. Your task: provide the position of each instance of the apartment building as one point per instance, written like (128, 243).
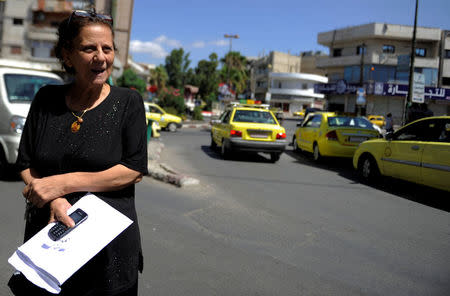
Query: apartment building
(287, 81)
(29, 30)
(376, 57)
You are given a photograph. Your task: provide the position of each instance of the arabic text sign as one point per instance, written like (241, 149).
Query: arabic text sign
(418, 93)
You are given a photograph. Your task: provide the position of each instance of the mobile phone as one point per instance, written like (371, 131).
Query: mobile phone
(59, 230)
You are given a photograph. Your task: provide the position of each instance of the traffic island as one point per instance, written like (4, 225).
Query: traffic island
(162, 171)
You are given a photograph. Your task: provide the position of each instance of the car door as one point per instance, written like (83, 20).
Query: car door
(309, 132)
(402, 155)
(220, 130)
(155, 114)
(435, 169)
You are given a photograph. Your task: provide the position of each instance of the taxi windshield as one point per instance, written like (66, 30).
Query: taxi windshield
(253, 116)
(345, 121)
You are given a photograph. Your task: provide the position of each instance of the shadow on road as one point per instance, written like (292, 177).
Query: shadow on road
(241, 156)
(417, 193)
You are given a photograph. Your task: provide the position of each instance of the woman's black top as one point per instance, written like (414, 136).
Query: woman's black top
(112, 133)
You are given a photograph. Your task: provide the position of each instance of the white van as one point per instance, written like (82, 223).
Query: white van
(17, 90)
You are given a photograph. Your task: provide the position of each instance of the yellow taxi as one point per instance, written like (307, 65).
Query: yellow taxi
(332, 134)
(166, 120)
(300, 113)
(377, 119)
(252, 128)
(418, 152)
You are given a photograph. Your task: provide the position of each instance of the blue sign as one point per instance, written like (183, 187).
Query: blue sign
(381, 89)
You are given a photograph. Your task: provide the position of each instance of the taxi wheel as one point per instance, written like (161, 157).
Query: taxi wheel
(367, 168)
(172, 127)
(224, 151)
(295, 145)
(275, 156)
(316, 153)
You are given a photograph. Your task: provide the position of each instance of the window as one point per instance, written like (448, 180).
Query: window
(304, 86)
(421, 52)
(16, 49)
(337, 52)
(23, 87)
(17, 21)
(446, 80)
(225, 117)
(359, 122)
(447, 54)
(361, 49)
(253, 116)
(314, 121)
(351, 74)
(388, 49)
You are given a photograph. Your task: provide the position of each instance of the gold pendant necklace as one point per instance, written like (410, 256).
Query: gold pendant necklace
(76, 125)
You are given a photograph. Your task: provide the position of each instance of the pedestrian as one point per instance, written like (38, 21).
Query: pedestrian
(389, 126)
(86, 136)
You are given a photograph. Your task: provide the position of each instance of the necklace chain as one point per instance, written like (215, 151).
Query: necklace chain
(81, 116)
(76, 125)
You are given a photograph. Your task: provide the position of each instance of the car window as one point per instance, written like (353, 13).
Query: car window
(153, 109)
(314, 121)
(21, 87)
(254, 116)
(425, 130)
(226, 117)
(346, 121)
(442, 133)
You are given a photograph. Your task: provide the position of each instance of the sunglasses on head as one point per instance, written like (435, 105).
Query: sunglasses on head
(90, 14)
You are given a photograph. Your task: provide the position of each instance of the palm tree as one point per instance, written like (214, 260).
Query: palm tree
(159, 77)
(234, 71)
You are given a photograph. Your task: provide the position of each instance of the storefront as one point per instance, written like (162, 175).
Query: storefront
(381, 98)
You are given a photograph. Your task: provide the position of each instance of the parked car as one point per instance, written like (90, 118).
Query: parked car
(300, 113)
(251, 128)
(418, 152)
(166, 120)
(17, 90)
(377, 119)
(332, 134)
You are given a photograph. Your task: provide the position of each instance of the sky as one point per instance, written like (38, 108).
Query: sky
(290, 26)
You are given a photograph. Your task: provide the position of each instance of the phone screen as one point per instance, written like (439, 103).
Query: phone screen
(76, 217)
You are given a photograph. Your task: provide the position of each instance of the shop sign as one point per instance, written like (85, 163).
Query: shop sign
(382, 89)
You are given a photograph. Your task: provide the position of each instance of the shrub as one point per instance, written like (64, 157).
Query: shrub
(197, 113)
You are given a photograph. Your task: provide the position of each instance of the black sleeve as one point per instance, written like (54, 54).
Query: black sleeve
(28, 140)
(134, 135)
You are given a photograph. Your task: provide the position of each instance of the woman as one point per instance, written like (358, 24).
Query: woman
(83, 137)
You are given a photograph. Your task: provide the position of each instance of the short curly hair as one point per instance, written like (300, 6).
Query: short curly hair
(69, 29)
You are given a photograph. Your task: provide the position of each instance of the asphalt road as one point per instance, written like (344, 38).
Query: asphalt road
(290, 228)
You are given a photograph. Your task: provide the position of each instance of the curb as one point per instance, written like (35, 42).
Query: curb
(163, 172)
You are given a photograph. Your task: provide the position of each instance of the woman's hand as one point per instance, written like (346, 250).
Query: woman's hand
(40, 191)
(58, 212)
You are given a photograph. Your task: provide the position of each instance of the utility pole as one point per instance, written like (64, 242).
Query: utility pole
(231, 37)
(411, 67)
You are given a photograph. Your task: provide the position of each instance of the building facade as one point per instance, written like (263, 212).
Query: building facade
(374, 59)
(29, 29)
(287, 81)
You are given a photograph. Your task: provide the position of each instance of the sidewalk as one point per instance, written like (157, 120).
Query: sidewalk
(163, 172)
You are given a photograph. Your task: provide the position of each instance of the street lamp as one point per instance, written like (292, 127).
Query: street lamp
(231, 37)
(411, 68)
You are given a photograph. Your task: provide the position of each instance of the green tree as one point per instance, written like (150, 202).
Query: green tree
(159, 77)
(234, 71)
(131, 80)
(206, 77)
(177, 65)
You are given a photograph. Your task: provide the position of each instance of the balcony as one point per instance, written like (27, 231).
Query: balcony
(42, 33)
(338, 61)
